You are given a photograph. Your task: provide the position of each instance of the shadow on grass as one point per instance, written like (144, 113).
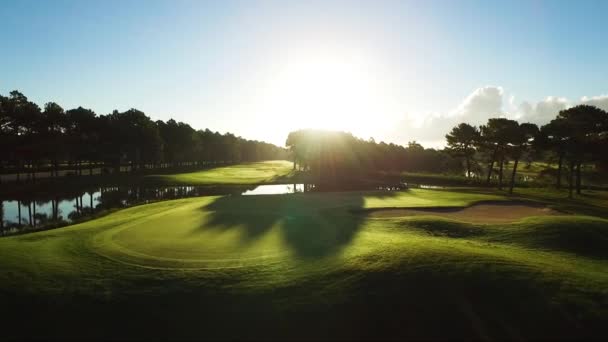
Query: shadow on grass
(311, 224)
(445, 227)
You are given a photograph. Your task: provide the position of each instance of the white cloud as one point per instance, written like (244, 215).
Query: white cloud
(480, 105)
(476, 108)
(547, 109)
(430, 130)
(598, 101)
(543, 112)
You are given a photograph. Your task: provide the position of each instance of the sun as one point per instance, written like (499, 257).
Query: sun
(336, 90)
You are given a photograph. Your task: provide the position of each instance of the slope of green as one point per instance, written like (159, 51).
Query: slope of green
(246, 173)
(307, 266)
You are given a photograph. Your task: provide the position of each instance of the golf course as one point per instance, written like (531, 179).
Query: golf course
(303, 170)
(415, 263)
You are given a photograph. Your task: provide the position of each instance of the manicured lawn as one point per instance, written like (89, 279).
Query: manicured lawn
(307, 266)
(246, 173)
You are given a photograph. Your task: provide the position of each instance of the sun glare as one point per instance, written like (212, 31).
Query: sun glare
(328, 90)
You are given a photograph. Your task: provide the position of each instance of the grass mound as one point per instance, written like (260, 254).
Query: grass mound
(444, 227)
(582, 235)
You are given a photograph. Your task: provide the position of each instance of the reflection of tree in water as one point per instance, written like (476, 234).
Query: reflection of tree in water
(43, 210)
(310, 223)
(112, 198)
(299, 188)
(119, 197)
(1, 216)
(40, 218)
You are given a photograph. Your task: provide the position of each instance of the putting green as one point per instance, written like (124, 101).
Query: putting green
(227, 232)
(185, 237)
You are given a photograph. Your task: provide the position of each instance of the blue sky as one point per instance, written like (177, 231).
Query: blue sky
(394, 70)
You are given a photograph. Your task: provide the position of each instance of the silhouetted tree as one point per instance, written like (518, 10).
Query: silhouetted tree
(586, 126)
(553, 137)
(338, 157)
(54, 124)
(495, 136)
(30, 138)
(461, 142)
(520, 140)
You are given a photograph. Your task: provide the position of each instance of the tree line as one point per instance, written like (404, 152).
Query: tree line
(44, 139)
(334, 157)
(576, 136)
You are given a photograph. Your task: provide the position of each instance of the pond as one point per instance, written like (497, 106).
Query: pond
(60, 209)
(276, 189)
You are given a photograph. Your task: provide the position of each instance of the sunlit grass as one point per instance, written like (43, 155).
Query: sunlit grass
(277, 257)
(246, 173)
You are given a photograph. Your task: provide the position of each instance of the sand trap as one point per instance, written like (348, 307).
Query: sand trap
(484, 212)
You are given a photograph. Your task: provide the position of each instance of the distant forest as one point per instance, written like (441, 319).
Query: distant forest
(50, 139)
(577, 136)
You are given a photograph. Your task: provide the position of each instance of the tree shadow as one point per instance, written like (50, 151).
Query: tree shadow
(313, 225)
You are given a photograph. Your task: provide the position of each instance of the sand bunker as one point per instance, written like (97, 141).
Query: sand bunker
(484, 212)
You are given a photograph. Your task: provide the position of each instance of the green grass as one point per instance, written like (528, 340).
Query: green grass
(310, 266)
(246, 173)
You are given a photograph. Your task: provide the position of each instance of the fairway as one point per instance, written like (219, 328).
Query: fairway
(312, 260)
(244, 173)
(188, 237)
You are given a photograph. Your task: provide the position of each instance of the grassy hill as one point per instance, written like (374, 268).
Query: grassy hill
(311, 265)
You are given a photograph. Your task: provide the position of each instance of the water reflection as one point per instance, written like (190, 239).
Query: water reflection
(276, 189)
(49, 211)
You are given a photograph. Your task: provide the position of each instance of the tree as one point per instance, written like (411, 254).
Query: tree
(23, 125)
(553, 137)
(53, 125)
(461, 142)
(5, 123)
(495, 136)
(520, 140)
(135, 138)
(180, 142)
(586, 126)
(83, 135)
(30, 137)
